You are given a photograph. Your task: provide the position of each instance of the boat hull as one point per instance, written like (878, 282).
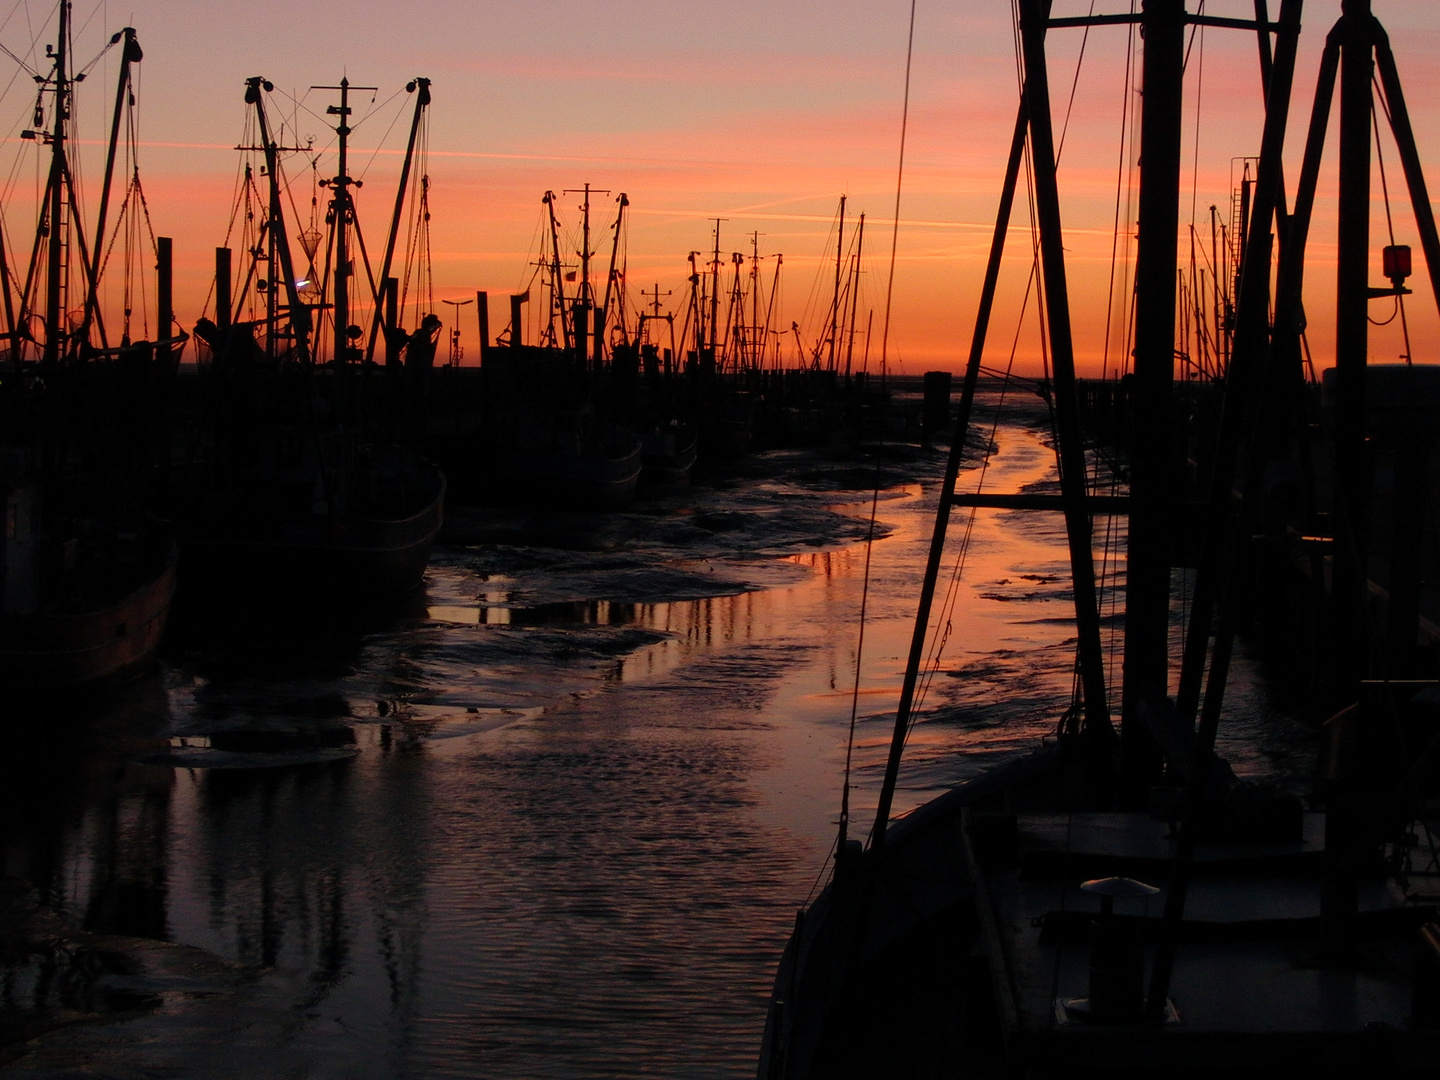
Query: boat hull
(574, 481)
(61, 652)
(667, 460)
(357, 559)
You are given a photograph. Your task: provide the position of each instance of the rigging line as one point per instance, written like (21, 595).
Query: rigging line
(826, 865)
(379, 143)
(952, 591)
(374, 109)
(1074, 85)
(99, 4)
(14, 8)
(859, 655)
(299, 104)
(1197, 29)
(1108, 595)
(1120, 171)
(932, 660)
(95, 60)
(1389, 221)
(899, 183)
(21, 63)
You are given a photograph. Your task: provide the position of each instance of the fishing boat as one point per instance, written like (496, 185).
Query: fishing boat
(557, 432)
(1117, 902)
(86, 574)
(310, 487)
(667, 456)
(83, 608)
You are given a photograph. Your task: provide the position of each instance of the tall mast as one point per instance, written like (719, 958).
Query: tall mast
(623, 201)
(755, 357)
(1352, 311)
(343, 211)
(715, 291)
(54, 298)
(695, 305)
(586, 296)
(1078, 529)
(1147, 566)
(130, 54)
(557, 282)
(835, 301)
(854, 295)
(422, 101)
(770, 308)
(299, 313)
(342, 215)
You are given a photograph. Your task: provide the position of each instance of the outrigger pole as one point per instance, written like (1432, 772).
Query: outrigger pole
(604, 312)
(130, 54)
(1034, 116)
(557, 282)
(422, 101)
(299, 313)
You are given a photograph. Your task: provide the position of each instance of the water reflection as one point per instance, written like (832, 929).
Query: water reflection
(573, 811)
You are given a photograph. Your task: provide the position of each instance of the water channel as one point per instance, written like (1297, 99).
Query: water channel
(556, 819)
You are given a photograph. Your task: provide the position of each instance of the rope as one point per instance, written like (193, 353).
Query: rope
(859, 654)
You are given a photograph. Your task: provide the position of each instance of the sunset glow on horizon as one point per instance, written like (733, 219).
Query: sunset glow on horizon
(761, 115)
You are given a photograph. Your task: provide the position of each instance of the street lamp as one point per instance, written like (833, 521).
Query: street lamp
(455, 351)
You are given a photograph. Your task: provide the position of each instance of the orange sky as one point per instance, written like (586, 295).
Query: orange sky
(760, 113)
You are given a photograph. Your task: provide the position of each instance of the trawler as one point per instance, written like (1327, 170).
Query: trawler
(309, 487)
(1118, 902)
(86, 575)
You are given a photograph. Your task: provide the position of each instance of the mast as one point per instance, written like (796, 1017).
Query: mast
(1254, 351)
(854, 295)
(272, 294)
(770, 310)
(1352, 311)
(11, 330)
(54, 298)
(1147, 564)
(586, 296)
(835, 301)
(342, 209)
(623, 202)
(1071, 452)
(715, 292)
(422, 101)
(757, 346)
(557, 282)
(299, 313)
(952, 472)
(695, 306)
(341, 204)
(131, 53)
(585, 301)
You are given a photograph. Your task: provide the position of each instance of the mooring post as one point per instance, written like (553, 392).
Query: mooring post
(482, 314)
(222, 288)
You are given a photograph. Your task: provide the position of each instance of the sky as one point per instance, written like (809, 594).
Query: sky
(758, 113)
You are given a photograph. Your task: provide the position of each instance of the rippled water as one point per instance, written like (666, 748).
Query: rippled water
(557, 820)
